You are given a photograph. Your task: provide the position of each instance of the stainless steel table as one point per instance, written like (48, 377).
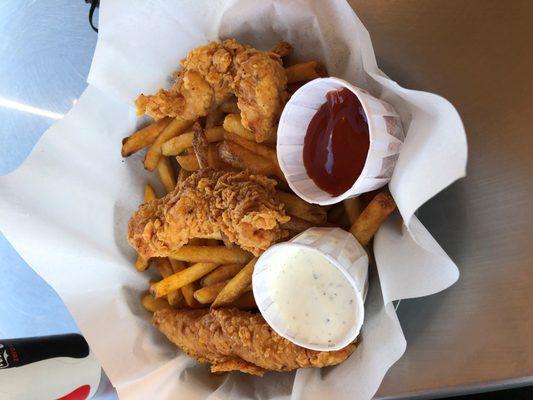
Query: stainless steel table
(474, 336)
(477, 335)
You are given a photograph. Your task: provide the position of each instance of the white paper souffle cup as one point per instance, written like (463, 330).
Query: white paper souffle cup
(385, 131)
(338, 247)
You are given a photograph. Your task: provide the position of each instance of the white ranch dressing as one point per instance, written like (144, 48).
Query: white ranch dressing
(314, 300)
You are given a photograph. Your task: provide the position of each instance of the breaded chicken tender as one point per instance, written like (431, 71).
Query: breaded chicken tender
(212, 74)
(230, 339)
(243, 208)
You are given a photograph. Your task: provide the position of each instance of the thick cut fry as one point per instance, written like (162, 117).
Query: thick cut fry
(142, 264)
(211, 254)
(282, 49)
(177, 125)
(143, 137)
(149, 193)
(177, 265)
(175, 297)
(181, 278)
(200, 146)
(179, 143)
(245, 302)
(166, 174)
(208, 294)
(372, 217)
(222, 273)
(297, 225)
(236, 286)
(232, 123)
(188, 295)
(259, 149)
(214, 118)
(301, 209)
(182, 175)
(353, 208)
(304, 72)
(188, 162)
(164, 267)
(239, 157)
(230, 107)
(152, 305)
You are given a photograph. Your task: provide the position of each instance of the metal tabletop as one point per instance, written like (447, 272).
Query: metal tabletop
(474, 336)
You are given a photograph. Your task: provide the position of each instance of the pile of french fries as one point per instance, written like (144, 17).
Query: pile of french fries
(206, 273)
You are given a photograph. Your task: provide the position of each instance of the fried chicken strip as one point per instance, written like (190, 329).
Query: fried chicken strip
(213, 73)
(244, 208)
(230, 339)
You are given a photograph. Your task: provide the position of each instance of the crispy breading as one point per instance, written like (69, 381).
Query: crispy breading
(230, 339)
(260, 84)
(244, 208)
(212, 74)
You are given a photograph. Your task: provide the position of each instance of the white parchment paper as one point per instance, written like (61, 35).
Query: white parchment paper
(65, 210)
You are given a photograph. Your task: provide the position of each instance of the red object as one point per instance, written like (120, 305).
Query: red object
(336, 143)
(81, 393)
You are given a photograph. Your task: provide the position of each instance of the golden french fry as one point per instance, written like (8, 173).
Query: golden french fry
(222, 273)
(181, 278)
(239, 157)
(260, 149)
(372, 217)
(230, 107)
(304, 72)
(301, 209)
(177, 125)
(177, 265)
(175, 297)
(296, 224)
(179, 143)
(143, 137)
(163, 266)
(353, 208)
(182, 175)
(142, 264)
(188, 294)
(166, 174)
(232, 123)
(149, 193)
(214, 118)
(282, 49)
(153, 305)
(188, 162)
(245, 302)
(166, 269)
(211, 254)
(207, 294)
(236, 286)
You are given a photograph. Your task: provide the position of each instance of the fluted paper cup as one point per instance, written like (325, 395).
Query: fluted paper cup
(343, 251)
(385, 130)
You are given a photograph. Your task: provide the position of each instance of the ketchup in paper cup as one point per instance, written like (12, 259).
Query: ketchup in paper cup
(337, 141)
(311, 290)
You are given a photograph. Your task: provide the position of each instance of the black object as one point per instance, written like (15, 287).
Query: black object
(19, 352)
(94, 5)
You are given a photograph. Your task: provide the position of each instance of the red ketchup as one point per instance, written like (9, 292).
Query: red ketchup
(336, 143)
